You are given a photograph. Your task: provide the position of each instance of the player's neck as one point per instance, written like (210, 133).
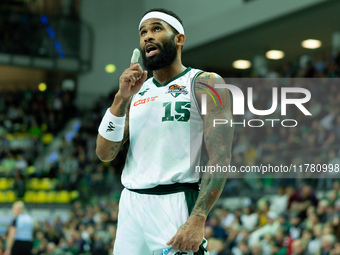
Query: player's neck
(167, 73)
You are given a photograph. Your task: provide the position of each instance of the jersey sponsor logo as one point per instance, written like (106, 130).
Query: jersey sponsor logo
(175, 90)
(145, 100)
(110, 127)
(143, 92)
(180, 253)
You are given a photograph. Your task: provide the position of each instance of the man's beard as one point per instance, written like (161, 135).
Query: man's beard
(167, 54)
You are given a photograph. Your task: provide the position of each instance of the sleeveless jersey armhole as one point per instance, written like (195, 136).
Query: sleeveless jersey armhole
(193, 89)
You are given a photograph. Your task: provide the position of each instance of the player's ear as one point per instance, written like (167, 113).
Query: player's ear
(180, 39)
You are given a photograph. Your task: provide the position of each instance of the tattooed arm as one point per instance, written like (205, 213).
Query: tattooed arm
(130, 83)
(107, 150)
(218, 142)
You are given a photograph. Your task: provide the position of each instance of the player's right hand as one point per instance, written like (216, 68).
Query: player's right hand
(131, 81)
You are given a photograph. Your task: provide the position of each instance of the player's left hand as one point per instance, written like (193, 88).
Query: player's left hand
(189, 236)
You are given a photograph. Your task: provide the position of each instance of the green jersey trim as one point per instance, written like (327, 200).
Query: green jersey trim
(193, 91)
(176, 77)
(190, 190)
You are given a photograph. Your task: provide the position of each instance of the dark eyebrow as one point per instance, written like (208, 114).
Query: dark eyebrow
(153, 23)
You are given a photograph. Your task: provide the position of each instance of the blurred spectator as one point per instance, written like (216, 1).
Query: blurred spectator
(52, 249)
(327, 244)
(256, 249)
(263, 207)
(336, 250)
(295, 227)
(227, 217)
(315, 245)
(249, 218)
(269, 229)
(279, 203)
(298, 248)
(280, 243)
(218, 231)
(241, 249)
(19, 185)
(306, 198)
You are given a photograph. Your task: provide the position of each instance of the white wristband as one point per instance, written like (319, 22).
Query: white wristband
(112, 127)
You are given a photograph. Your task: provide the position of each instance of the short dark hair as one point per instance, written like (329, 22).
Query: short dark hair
(166, 12)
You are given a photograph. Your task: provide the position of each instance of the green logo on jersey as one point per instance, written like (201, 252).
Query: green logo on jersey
(143, 92)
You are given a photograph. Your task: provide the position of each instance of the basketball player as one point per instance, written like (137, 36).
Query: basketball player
(162, 210)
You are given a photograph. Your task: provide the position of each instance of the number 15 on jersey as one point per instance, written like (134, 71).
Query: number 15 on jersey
(181, 111)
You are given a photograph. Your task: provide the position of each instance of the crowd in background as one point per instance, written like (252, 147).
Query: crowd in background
(315, 139)
(292, 222)
(89, 230)
(29, 120)
(296, 222)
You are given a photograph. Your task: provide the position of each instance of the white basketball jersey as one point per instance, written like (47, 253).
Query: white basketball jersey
(159, 125)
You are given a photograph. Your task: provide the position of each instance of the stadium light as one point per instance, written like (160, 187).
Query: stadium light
(311, 44)
(241, 64)
(42, 87)
(275, 54)
(110, 68)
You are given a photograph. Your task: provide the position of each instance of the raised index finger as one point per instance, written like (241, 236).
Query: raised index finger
(135, 56)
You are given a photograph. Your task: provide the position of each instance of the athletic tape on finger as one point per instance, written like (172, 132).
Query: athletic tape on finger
(135, 56)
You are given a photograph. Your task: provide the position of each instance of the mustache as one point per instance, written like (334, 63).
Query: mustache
(156, 44)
